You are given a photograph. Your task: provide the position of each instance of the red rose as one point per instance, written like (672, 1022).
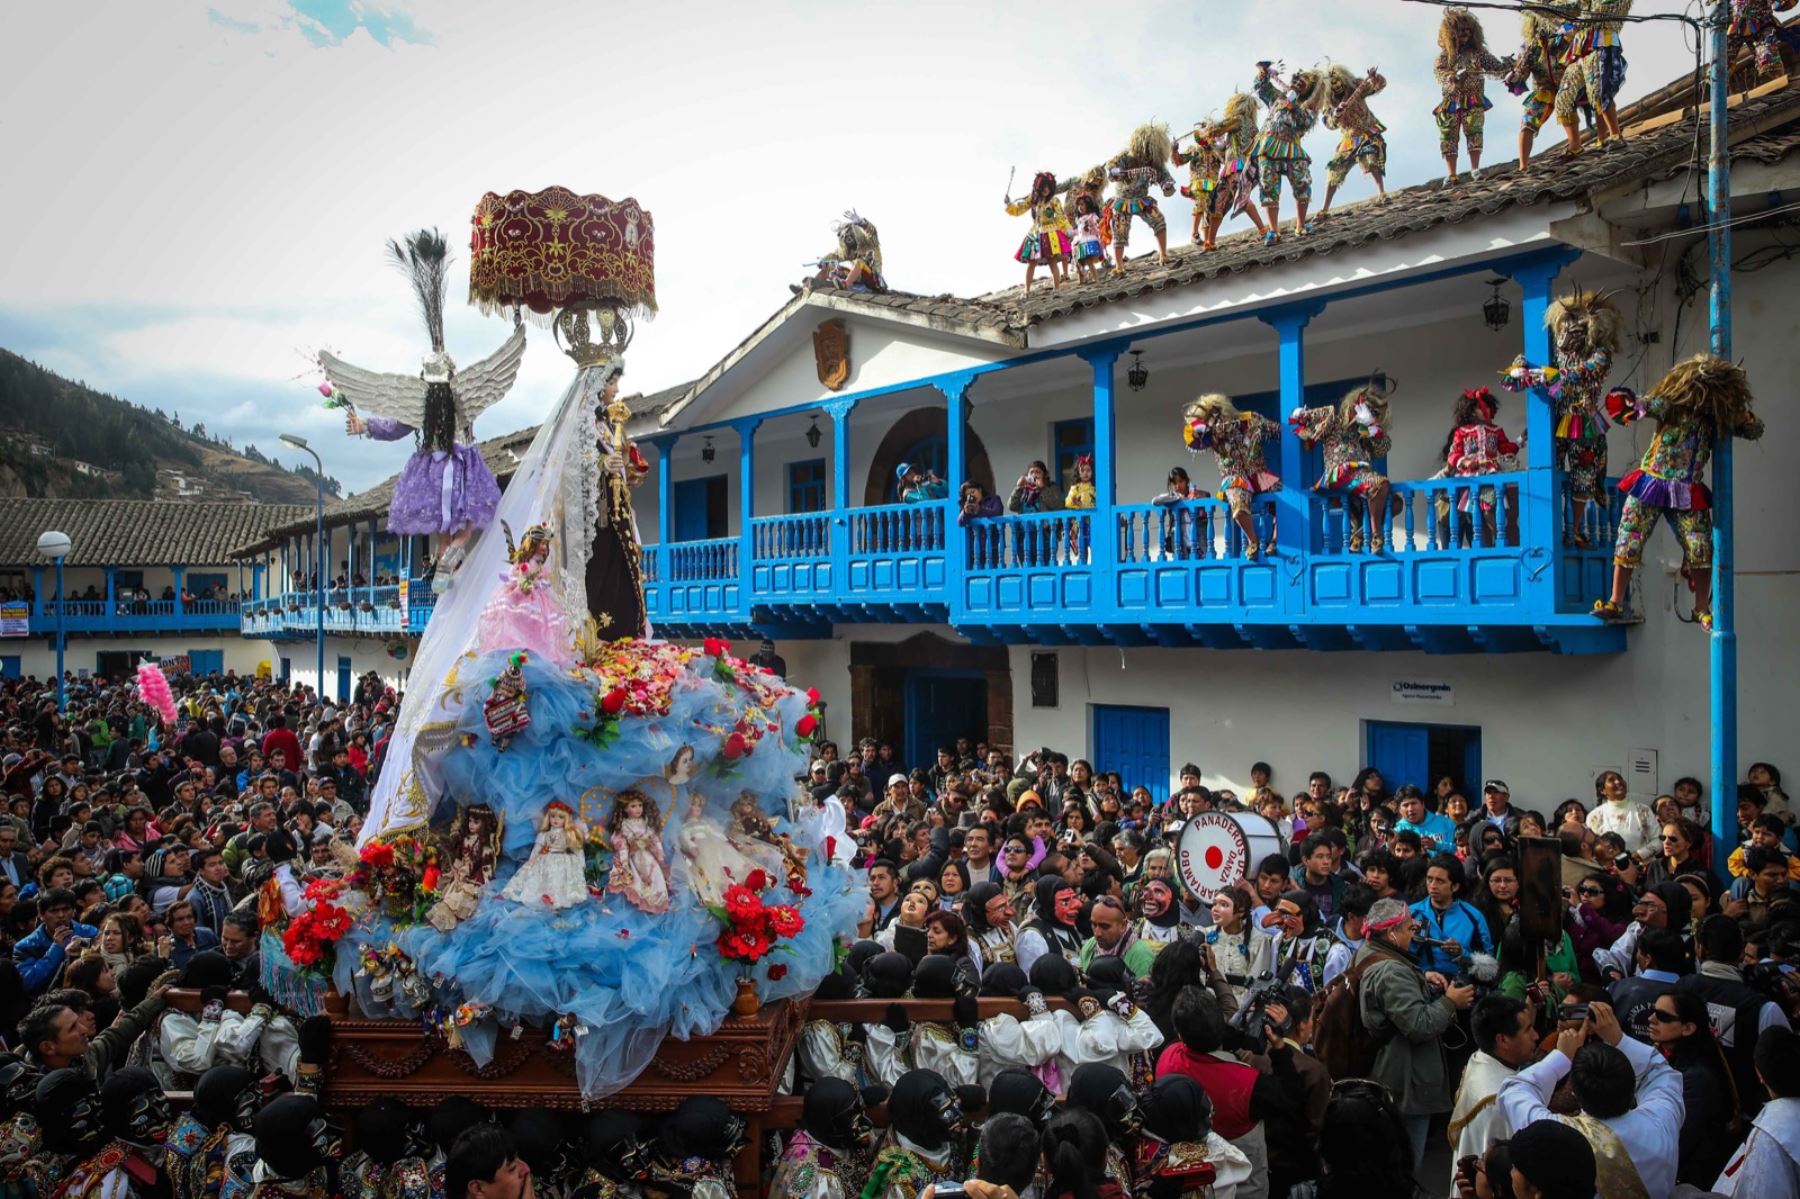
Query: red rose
(378, 856)
(777, 972)
(806, 725)
(812, 697)
(830, 848)
(716, 647)
(735, 747)
(612, 701)
(757, 881)
(785, 921)
(743, 906)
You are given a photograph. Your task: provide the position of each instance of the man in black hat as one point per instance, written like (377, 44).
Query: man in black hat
(1550, 1160)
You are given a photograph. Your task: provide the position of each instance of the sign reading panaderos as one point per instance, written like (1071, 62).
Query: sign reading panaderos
(1424, 691)
(15, 619)
(1213, 854)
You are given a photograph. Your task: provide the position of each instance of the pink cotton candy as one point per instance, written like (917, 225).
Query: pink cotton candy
(153, 689)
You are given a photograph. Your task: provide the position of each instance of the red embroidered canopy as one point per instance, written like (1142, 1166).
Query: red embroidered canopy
(550, 249)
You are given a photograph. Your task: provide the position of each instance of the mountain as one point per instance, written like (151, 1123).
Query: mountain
(61, 439)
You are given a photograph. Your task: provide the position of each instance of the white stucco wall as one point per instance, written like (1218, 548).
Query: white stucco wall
(37, 655)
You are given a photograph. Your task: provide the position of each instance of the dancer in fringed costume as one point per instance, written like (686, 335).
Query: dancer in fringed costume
(1236, 439)
(1204, 160)
(1362, 143)
(1754, 24)
(855, 263)
(1585, 333)
(1089, 247)
(1236, 193)
(1538, 70)
(1048, 241)
(1696, 403)
(1294, 109)
(1462, 66)
(1354, 434)
(1142, 165)
(446, 487)
(1595, 70)
(1089, 184)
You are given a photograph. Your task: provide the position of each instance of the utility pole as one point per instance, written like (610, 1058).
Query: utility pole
(1724, 597)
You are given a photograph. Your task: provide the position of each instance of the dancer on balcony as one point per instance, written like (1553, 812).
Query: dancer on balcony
(1595, 71)
(1463, 64)
(1362, 143)
(1537, 68)
(1584, 330)
(1143, 165)
(1696, 403)
(1294, 108)
(1354, 434)
(1236, 439)
(1475, 446)
(1048, 242)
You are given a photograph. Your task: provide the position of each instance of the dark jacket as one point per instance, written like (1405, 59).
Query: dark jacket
(110, 1044)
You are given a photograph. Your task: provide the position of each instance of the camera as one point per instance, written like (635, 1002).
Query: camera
(1578, 1012)
(1466, 1166)
(1252, 1016)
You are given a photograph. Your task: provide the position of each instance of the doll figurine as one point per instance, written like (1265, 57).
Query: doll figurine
(524, 612)
(1585, 335)
(1048, 241)
(1142, 165)
(1294, 108)
(1536, 73)
(553, 874)
(1362, 143)
(1354, 433)
(1595, 69)
(473, 849)
(640, 870)
(1236, 439)
(1695, 404)
(714, 859)
(755, 832)
(1462, 66)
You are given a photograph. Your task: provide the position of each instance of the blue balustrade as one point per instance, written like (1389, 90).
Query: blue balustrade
(700, 581)
(135, 616)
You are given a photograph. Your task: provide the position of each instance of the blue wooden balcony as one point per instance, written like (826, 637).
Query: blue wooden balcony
(99, 616)
(1465, 569)
(367, 611)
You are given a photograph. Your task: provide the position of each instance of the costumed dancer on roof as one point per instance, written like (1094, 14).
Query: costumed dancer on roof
(1142, 165)
(1294, 108)
(1695, 404)
(1089, 246)
(1754, 24)
(445, 487)
(1048, 241)
(1363, 143)
(1236, 439)
(1538, 70)
(1462, 67)
(1236, 193)
(1205, 159)
(855, 262)
(1585, 332)
(1595, 70)
(1354, 435)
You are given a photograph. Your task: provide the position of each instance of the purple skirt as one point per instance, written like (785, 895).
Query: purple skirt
(443, 493)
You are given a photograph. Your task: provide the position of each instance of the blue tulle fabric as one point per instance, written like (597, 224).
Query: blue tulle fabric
(629, 978)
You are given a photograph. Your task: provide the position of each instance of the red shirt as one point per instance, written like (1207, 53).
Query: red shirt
(1227, 1084)
(285, 741)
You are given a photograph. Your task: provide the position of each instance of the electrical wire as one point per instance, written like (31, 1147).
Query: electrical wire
(1562, 13)
(1711, 225)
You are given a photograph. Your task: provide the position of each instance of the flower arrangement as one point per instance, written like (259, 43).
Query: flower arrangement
(755, 929)
(311, 938)
(402, 871)
(807, 727)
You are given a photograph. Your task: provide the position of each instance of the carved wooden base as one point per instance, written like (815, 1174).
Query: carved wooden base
(742, 1063)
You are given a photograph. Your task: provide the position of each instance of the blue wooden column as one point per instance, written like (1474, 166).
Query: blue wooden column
(839, 411)
(37, 593)
(1103, 531)
(664, 445)
(1293, 508)
(180, 573)
(112, 607)
(256, 581)
(746, 431)
(1540, 499)
(956, 469)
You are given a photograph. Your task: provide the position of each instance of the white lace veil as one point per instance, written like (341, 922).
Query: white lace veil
(556, 481)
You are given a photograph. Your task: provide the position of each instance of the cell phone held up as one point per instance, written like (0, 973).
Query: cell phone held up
(1466, 1166)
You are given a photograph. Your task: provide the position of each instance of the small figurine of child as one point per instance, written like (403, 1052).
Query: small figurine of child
(1048, 241)
(640, 868)
(555, 873)
(524, 613)
(1090, 252)
(1463, 64)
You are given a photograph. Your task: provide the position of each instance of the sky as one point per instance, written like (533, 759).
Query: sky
(199, 194)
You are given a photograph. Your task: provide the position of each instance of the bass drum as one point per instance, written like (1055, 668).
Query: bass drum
(1219, 850)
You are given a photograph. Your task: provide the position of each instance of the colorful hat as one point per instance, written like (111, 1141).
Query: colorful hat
(904, 469)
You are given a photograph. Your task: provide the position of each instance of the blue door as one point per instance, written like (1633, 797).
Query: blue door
(942, 705)
(343, 681)
(699, 508)
(287, 670)
(206, 661)
(1134, 742)
(10, 666)
(1402, 752)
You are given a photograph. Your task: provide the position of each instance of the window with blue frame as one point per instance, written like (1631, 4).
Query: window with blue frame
(806, 486)
(1069, 440)
(926, 454)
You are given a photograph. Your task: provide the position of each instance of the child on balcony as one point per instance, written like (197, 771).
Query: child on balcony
(1475, 446)
(1354, 434)
(917, 486)
(1236, 439)
(1695, 404)
(1048, 241)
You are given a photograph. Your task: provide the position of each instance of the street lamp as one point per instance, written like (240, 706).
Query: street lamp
(56, 546)
(299, 443)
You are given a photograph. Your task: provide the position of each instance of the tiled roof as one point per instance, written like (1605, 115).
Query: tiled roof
(138, 532)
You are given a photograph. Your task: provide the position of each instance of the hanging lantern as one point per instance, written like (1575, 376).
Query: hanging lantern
(1139, 374)
(707, 453)
(1497, 311)
(813, 434)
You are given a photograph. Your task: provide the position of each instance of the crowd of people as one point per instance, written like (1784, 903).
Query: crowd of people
(1366, 994)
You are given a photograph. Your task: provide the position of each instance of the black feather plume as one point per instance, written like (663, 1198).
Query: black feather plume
(424, 258)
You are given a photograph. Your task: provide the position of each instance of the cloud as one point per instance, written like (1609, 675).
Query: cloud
(222, 189)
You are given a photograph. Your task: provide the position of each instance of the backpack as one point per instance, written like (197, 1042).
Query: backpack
(1341, 1041)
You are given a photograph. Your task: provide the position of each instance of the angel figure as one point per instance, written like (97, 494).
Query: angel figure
(553, 875)
(473, 849)
(640, 870)
(680, 770)
(524, 613)
(445, 488)
(714, 860)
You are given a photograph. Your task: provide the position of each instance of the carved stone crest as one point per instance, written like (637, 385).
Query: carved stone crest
(831, 349)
